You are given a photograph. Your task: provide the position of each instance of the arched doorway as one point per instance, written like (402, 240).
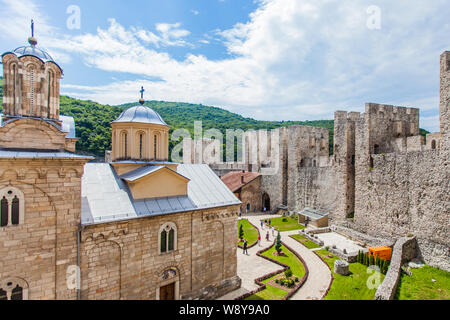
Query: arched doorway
(266, 202)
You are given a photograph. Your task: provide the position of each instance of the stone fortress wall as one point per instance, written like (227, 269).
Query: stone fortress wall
(383, 179)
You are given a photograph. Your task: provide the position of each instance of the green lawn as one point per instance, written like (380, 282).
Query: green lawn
(273, 293)
(250, 232)
(305, 241)
(290, 259)
(270, 293)
(421, 287)
(352, 287)
(289, 225)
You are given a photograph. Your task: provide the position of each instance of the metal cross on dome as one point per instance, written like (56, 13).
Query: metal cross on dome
(142, 92)
(32, 28)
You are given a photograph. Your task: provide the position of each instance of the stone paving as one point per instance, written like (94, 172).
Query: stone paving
(251, 266)
(341, 242)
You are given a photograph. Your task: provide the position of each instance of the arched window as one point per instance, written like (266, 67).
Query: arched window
(433, 145)
(49, 94)
(15, 215)
(124, 144)
(155, 147)
(32, 89)
(4, 212)
(141, 145)
(11, 207)
(248, 207)
(168, 238)
(15, 85)
(13, 289)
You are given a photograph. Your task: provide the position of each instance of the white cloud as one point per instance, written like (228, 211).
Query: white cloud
(291, 60)
(195, 12)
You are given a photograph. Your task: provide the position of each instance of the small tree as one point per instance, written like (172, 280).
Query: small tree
(288, 273)
(278, 243)
(371, 260)
(241, 232)
(377, 261)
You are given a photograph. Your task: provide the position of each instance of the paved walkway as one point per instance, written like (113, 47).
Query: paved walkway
(251, 267)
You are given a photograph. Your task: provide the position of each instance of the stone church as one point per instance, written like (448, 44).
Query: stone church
(138, 227)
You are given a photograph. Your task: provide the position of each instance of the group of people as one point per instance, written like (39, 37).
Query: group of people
(267, 223)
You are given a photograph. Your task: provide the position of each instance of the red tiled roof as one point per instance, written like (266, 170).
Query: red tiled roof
(233, 180)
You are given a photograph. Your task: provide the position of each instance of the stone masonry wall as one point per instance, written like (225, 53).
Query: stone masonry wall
(122, 261)
(407, 194)
(404, 250)
(40, 250)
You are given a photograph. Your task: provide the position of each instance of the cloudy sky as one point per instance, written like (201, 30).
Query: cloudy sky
(265, 59)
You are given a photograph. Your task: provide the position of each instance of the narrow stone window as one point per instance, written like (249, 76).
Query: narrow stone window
(376, 149)
(163, 241)
(141, 145)
(4, 212)
(433, 145)
(171, 240)
(155, 147)
(17, 293)
(32, 91)
(3, 295)
(125, 145)
(49, 94)
(15, 211)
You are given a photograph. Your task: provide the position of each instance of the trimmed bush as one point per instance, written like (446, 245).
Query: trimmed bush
(288, 273)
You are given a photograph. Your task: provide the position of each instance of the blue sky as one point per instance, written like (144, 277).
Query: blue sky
(265, 59)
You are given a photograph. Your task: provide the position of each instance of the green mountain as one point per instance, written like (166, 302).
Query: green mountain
(93, 120)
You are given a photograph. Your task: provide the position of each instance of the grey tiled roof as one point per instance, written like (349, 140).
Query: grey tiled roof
(313, 214)
(107, 198)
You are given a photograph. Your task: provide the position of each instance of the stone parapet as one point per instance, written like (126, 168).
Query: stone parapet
(404, 250)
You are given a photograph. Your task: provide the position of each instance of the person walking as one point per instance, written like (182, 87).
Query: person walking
(262, 224)
(267, 236)
(245, 247)
(273, 231)
(259, 240)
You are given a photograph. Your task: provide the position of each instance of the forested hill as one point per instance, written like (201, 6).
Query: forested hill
(93, 120)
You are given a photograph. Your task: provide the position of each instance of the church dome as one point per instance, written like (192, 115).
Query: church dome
(33, 51)
(140, 114)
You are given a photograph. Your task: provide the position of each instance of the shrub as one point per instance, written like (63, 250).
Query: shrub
(288, 273)
(297, 279)
(278, 243)
(277, 281)
(285, 220)
(241, 232)
(371, 260)
(327, 248)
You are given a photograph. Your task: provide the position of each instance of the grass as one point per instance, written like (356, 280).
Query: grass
(352, 287)
(421, 287)
(273, 293)
(290, 259)
(289, 225)
(250, 232)
(305, 241)
(270, 293)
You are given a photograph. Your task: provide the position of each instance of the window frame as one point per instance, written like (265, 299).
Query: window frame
(10, 194)
(167, 228)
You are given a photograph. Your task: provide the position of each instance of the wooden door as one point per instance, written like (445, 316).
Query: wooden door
(167, 292)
